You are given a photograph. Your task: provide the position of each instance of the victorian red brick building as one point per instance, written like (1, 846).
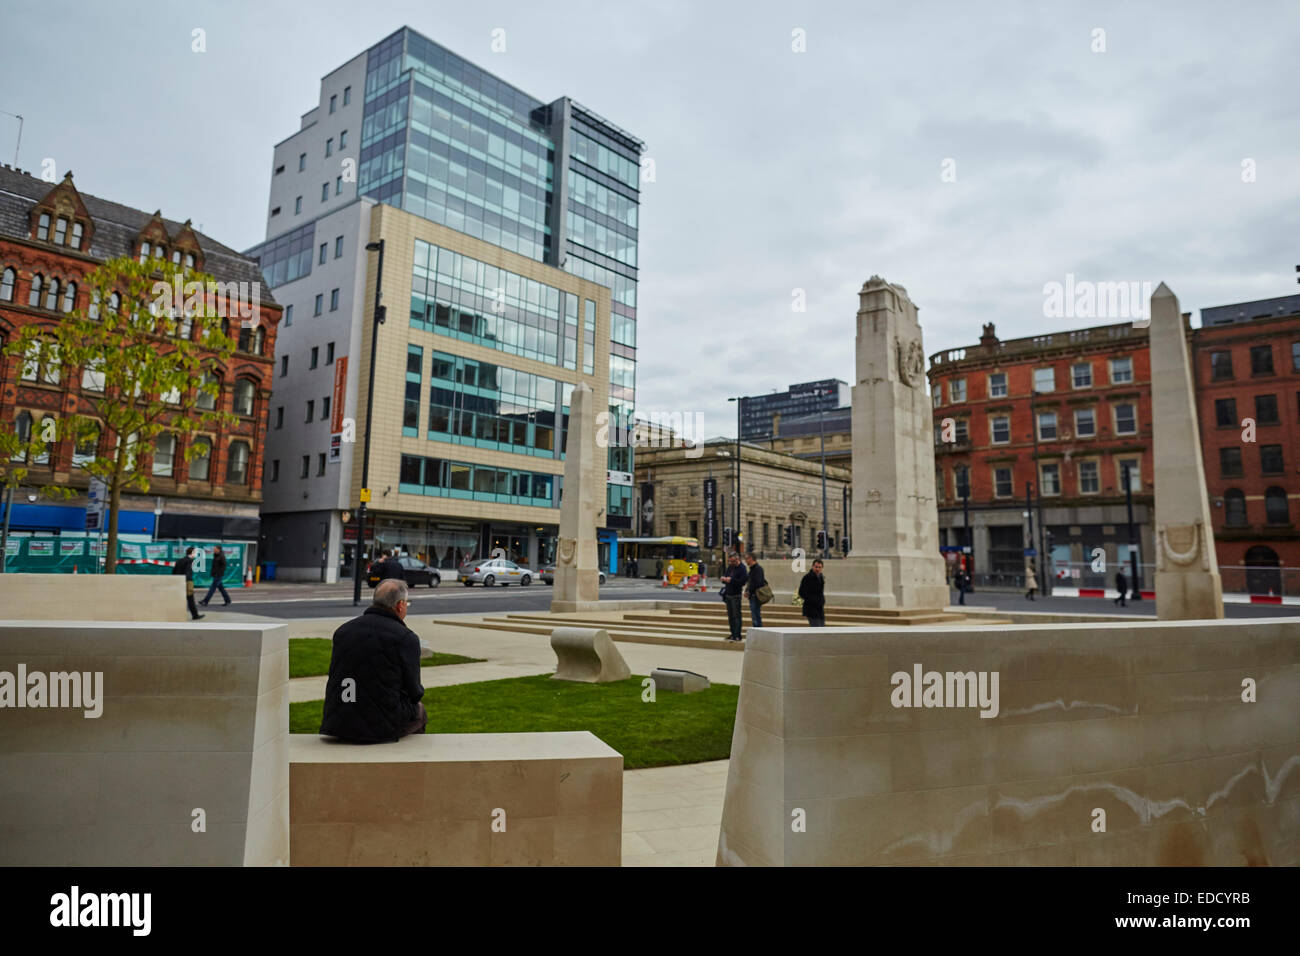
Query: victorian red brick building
(1062, 416)
(51, 237)
(1247, 368)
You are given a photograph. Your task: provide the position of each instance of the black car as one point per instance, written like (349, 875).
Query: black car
(415, 572)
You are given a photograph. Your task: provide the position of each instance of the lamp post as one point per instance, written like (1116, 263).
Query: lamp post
(735, 498)
(1044, 587)
(826, 531)
(1136, 586)
(370, 408)
(1029, 513)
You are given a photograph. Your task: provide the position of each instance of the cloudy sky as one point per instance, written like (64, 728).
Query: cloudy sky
(776, 170)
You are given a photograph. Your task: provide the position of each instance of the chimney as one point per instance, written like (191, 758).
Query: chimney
(989, 339)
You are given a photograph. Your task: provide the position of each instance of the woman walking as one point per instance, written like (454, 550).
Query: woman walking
(1031, 582)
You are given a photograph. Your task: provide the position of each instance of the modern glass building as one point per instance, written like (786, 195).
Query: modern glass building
(756, 411)
(525, 206)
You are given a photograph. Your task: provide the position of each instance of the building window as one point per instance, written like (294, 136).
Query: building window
(61, 231)
(1295, 356)
(1126, 419)
(34, 293)
(306, 467)
(334, 102)
(1085, 422)
(43, 227)
(1270, 460)
(334, 300)
(202, 459)
(320, 304)
(315, 355)
(1047, 426)
(1230, 462)
(279, 417)
(1121, 370)
(87, 448)
(1002, 486)
(1044, 380)
(243, 403)
(41, 363)
(749, 536)
(288, 316)
(1275, 506)
(998, 385)
(347, 95)
(767, 528)
(343, 139)
(275, 469)
(77, 232)
(164, 455)
(411, 407)
(237, 466)
(1220, 366)
(70, 297)
(325, 408)
(22, 431)
(329, 145)
(961, 481)
(957, 389)
(1261, 360)
(7, 282)
(338, 247)
(1089, 478)
(1266, 409)
(324, 192)
(338, 185)
(1134, 469)
(1001, 428)
(1225, 412)
(324, 246)
(1234, 508)
(284, 365)
(206, 398)
(938, 394)
(92, 377)
(320, 464)
(52, 295)
(1051, 479)
(297, 205)
(329, 353)
(311, 409)
(1081, 375)
(962, 431)
(302, 161)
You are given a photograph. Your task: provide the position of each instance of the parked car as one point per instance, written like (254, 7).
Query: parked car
(492, 571)
(415, 572)
(548, 575)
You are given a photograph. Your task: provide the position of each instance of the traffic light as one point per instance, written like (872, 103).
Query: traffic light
(726, 537)
(844, 544)
(821, 540)
(789, 535)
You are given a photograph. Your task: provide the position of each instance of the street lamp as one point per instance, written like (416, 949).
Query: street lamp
(370, 407)
(1044, 585)
(1136, 586)
(735, 498)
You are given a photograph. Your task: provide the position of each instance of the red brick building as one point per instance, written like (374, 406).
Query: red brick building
(1063, 413)
(51, 236)
(1247, 366)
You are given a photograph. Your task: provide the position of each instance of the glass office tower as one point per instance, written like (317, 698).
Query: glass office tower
(446, 140)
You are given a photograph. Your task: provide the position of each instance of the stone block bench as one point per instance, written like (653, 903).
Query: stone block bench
(532, 799)
(143, 744)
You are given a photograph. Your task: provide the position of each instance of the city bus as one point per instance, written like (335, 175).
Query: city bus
(653, 557)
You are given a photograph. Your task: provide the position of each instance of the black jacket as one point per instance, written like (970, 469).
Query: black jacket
(813, 591)
(382, 655)
(1121, 582)
(755, 579)
(218, 566)
(391, 567)
(184, 566)
(736, 585)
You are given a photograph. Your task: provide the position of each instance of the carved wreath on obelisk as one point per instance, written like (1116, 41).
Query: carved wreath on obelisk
(911, 362)
(567, 550)
(1180, 545)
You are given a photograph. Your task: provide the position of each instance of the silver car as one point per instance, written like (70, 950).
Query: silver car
(548, 575)
(492, 571)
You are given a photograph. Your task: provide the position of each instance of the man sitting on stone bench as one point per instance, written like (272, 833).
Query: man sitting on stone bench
(373, 694)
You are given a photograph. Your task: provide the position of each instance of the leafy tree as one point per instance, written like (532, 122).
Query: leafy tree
(16, 451)
(148, 357)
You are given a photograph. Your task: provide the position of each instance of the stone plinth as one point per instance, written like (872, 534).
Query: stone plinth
(678, 681)
(457, 800)
(895, 560)
(587, 655)
(190, 719)
(1143, 721)
(577, 580)
(92, 597)
(1188, 585)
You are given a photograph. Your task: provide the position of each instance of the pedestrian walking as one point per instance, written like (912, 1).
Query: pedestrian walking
(812, 591)
(391, 567)
(185, 566)
(218, 575)
(959, 582)
(756, 588)
(1121, 584)
(733, 587)
(1031, 582)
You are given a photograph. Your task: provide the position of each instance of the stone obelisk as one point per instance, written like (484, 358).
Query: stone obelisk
(577, 580)
(1187, 571)
(895, 560)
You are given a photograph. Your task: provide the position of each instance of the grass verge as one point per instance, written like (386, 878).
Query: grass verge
(310, 657)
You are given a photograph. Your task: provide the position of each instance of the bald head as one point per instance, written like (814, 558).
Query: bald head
(389, 593)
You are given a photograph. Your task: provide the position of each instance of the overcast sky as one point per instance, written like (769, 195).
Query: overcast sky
(776, 170)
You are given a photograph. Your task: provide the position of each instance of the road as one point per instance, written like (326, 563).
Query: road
(289, 600)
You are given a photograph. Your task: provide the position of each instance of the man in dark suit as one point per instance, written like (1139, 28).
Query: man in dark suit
(374, 692)
(1121, 583)
(185, 566)
(812, 589)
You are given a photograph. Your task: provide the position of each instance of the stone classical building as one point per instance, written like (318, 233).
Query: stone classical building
(805, 436)
(1246, 362)
(1061, 415)
(780, 497)
(51, 236)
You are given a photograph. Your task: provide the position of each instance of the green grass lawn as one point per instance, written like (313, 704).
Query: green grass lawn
(310, 657)
(675, 729)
